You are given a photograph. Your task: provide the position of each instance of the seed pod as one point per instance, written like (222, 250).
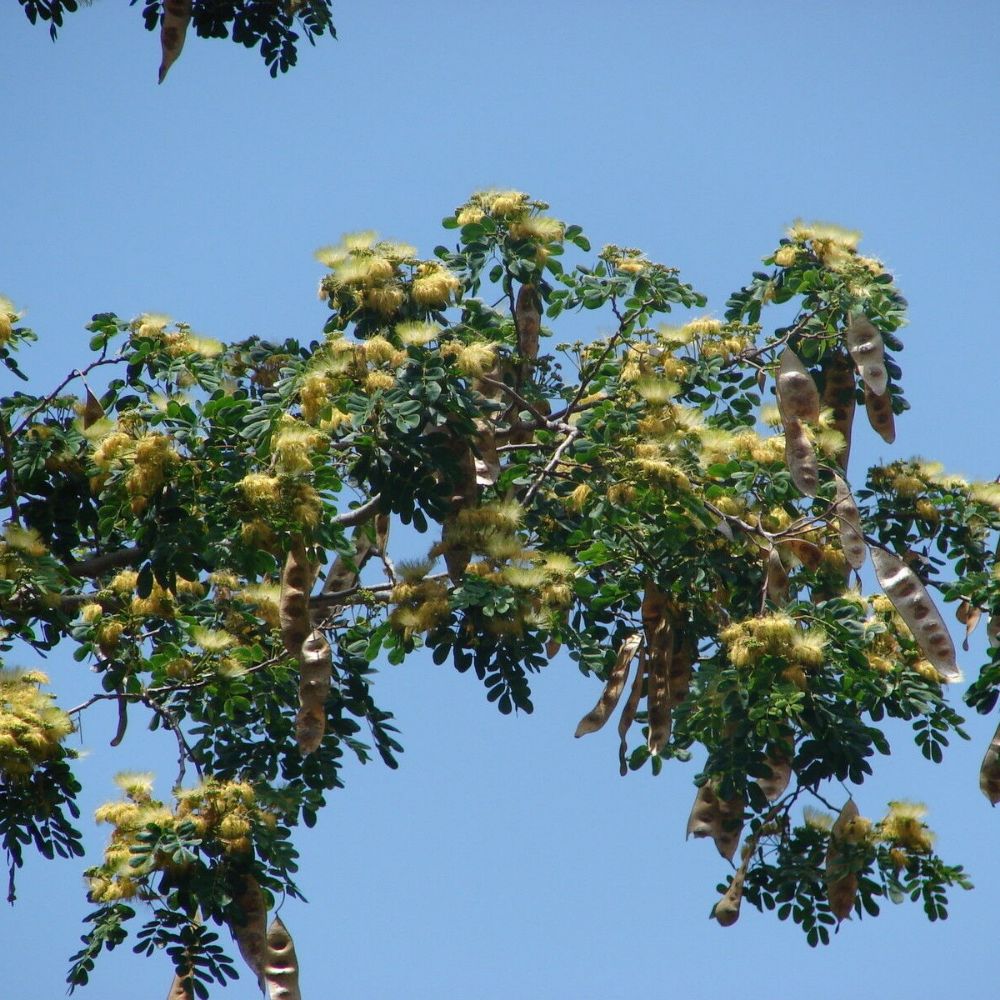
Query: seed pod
(798, 397)
(879, 409)
(601, 712)
(989, 771)
(343, 575)
(281, 973)
(293, 606)
(868, 353)
(807, 553)
(776, 580)
(528, 320)
(800, 458)
(659, 640)
(728, 838)
(839, 396)
(910, 598)
(781, 773)
(250, 930)
(969, 616)
(681, 663)
(314, 687)
(487, 458)
(720, 819)
(993, 631)
(841, 884)
(628, 712)
(92, 410)
(179, 990)
(176, 16)
(849, 522)
(727, 909)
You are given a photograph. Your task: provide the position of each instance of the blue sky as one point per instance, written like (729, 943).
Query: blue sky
(504, 858)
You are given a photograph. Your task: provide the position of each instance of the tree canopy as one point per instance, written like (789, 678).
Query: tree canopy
(269, 25)
(234, 535)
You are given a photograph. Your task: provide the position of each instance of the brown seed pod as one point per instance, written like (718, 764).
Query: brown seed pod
(601, 712)
(798, 397)
(92, 410)
(314, 687)
(879, 409)
(989, 771)
(993, 631)
(528, 320)
(800, 458)
(281, 971)
(727, 910)
(910, 598)
(969, 616)
(344, 574)
(179, 990)
(487, 458)
(868, 353)
(250, 929)
(628, 713)
(720, 819)
(293, 605)
(176, 16)
(849, 522)
(807, 553)
(839, 397)
(659, 645)
(781, 773)
(681, 663)
(841, 884)
(776, 580)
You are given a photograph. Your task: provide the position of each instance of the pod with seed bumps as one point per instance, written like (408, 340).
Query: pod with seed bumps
(176, 17)
(839, 397)
(800, 458)
(628, 712)
(849, 523)
(281, 971)
(781, 773)
(727, 910)
(179, 990)
(841, 882)
(314, 687)
(250, 929)
(879, 410)
(600, 713)
(659, 646)
(798, 396)
(910, 598)
(718, 818)
(989, 771)
(867, 352)
(293, 605)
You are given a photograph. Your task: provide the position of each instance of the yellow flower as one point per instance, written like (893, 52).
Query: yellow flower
(434, 285)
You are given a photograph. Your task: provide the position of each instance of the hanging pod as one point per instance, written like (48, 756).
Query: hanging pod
(989, 771)
(879, 409)
(720, 819)
(968, 615)
(176, 17)
(839, 398)
(659, 645)
(910, 598)
(776, 578)
(179, 990)
(781, 773)
(281, 970)
(293, 605)
(727, 910)
(798, 397)
(528, 320)
(608, 701)
(849, 523)
(800, 458)
(841, 883)
(250, 932)
(314, 687)
(627, 717)
(868, 353)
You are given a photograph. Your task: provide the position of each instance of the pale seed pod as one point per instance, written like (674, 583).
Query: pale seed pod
(800, 458)
(728, 838)
(868, 353)
(250, 933)
(839, 397)
(293, 606)
(627, 717)
(727, 910)
(969, 616)
(910, 598)
(781, 773)
(879, 409)
(659, 639)
(989, 771)
(281, 972)
(314, 687)
(601, 712)
(681, 663)
(528, 320)
(798, 397)
(993, 631)
(849, 522)
(178, 990)
(344, 576)
(487, 458)
(92, 410)
(807, 553)
(176, 17)
(776, 580)
(720, 819)
(841, 885)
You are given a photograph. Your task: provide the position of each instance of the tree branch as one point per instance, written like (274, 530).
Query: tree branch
(359, 514)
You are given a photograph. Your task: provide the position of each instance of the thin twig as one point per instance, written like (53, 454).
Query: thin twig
(570, 437)
(76, 373)
(358, 514)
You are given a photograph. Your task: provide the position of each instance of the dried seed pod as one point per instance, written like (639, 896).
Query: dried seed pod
(849, 522)
(628, 712)
(841, 884)
(727, 909)
(910, 598)
(176, 16)
(989, 771)
(528, 320)
(798, 397)
(250, 929)
(868, 353)
(293, 606)
(601, 712)
(92, 410)
(800, 458)
(781, 773)
(659, 645)
(776, 580)
(839, 397)
(969, 616)
(314, 687)
(179, 990)
(343, 575)
(681, 663)
(728, 838)
(281, 971)
(720, 819)
(487, 458)
(807, 553)
(879, 409)
(993, 631)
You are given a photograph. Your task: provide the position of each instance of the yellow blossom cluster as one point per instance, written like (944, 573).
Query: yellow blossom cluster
(523, 216)
(32, 728)
(8, 317)
(904, 831)
(834, 246)
(779, 636)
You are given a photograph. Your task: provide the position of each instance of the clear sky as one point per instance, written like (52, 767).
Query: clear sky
(504, 859)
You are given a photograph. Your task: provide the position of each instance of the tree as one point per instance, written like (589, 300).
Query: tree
(269, 24)
(210, 528)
